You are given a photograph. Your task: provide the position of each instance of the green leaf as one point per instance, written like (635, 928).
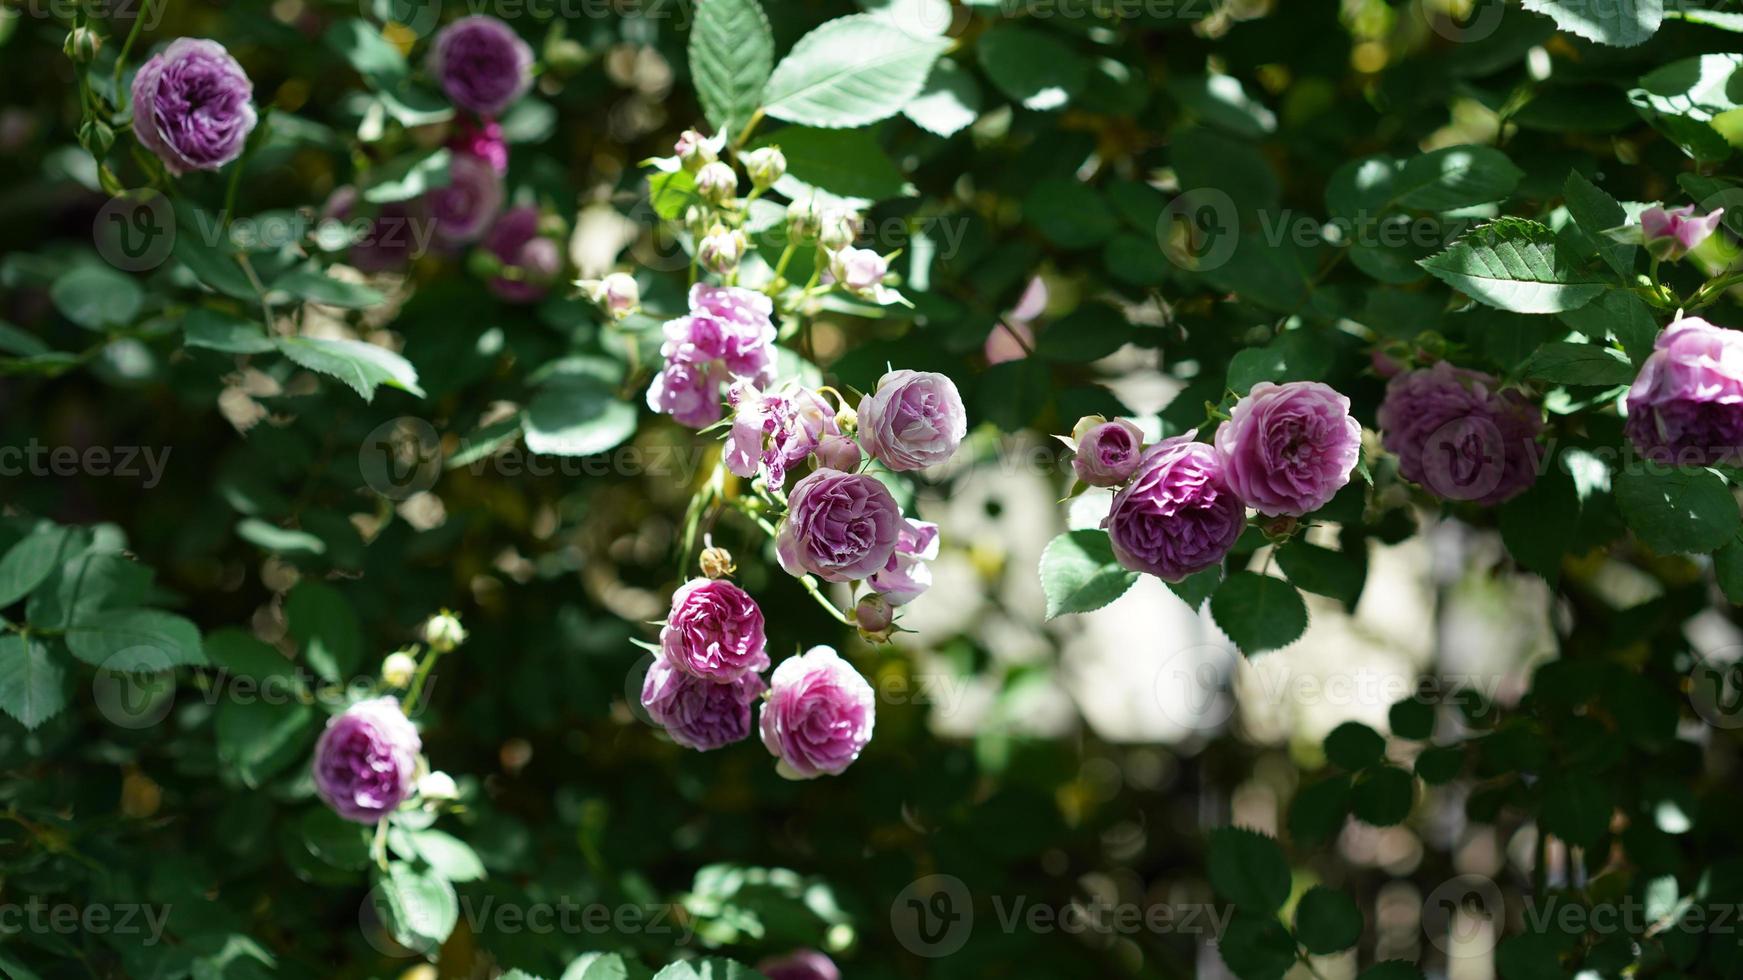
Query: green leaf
(606, 966)
(1540, 525)
(1440, 764)
(1677, 511)
(29, 562)
(1567, 363)
(313, 286)
(361, 366)
(1327, 920)
(1194, 589)
(1455, 177)
(577, 416)
(278, 540)
(225, 332)
(671, 192)
(849, 72)
(1596, 212)
(1576, 808)
(1088, 333)
(731, 53)
(1318, 811)
(1411, 718)
(1221, 101)
(135, 640)
(97, 297)
(1256, 947)
(320, 619)
(365, 49)
(1079, 573)
(1620, 315)
(1529, 956)
(1033, 68)
(1247, 868)
(1392, 970)
(844, 163)
(408, 177)
(85, 584)
(1728, 569)
(1323, 571)
(33, 684)
(1353, 746)
(447, 855)
(1620, 23)
(335, 840)
(1069, 213)
(949, 103)
(1515, 264)
(1383, 795)
(419, 908)
(1258, 612)
(258, 738)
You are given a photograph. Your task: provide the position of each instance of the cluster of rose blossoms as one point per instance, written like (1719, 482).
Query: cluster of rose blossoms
(840, 525)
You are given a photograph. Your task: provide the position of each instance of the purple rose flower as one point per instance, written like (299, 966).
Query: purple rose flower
(728, 332)
(818, 715)
(907, 574)
(1675, 233)
(839, 526)
(772, 431)
(838, 452)
(397, 233)
(800, 964)
(465, 207)
(698, 713)
(193, 106)
(1108, 453)
(1458, 435)
(482, 64)
(1178, 515)
(1289, 448)
(1686, 406)
(366, 760)
(714, 631)
(532, 261)
(913, 420)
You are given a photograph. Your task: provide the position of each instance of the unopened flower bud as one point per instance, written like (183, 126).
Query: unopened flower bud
(717, 562)
(565, 55)
(694, 151)
(82, 45)
(1083, 426)
(437, 786)
(1675, 233)
(803, 220)
(96, 137)
(616, 294)
(443, 632)
(765, 166)
(859, 270)
(846, 419)
(839, 229)
(838, 453)
(875, 616)
(721, 250)
(398, 669)
(717, 183)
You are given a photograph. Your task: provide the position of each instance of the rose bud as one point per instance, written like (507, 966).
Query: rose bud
(722, 250)
(839, 229)
(1675, 233)
(804, 220)
(875, 616)
(765, 166)
(1108, 453)
(438, 786)
(838, 452)
(443, 632)
(366, 760)
(398, 669)
(716, 562)
(693, 150)
(717, 183)
(819, 715)
(859, 270)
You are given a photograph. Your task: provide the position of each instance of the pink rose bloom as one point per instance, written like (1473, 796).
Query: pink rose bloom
(1178, 515)
(1108, 453)
(193, 106)
(840, 527)
(913, 420)
(714, 631)
(1686, 406)
(689, 393)
(818, 716)
(1457, 434)
(465, 207)
(697, 713)
(800, 964)
(908, 575)
(366, 761)
(1289, 448)
(1675, 233)
(772, 431)
(483, 141)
